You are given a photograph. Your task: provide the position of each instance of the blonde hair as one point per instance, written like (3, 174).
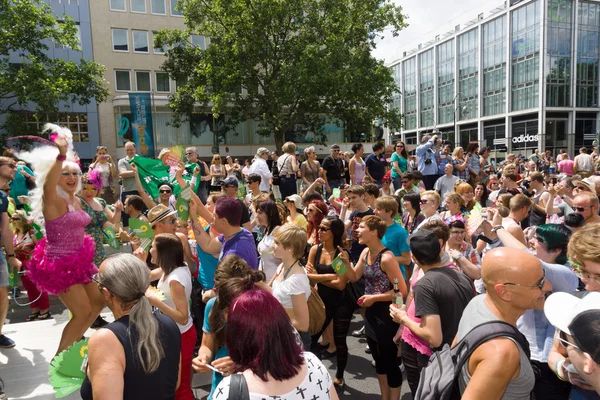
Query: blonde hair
(291, 237)
(433, 195)
(455, 197)
(583, 245)
(289, 147)
(387, 204)
(458, 150)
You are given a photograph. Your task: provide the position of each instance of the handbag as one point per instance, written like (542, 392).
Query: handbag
(316, 311)
(353, 292)
(238, 388)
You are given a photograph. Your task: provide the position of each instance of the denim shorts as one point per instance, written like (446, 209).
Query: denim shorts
(3, 270)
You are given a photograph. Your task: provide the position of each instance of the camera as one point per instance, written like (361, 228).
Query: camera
(428, 161)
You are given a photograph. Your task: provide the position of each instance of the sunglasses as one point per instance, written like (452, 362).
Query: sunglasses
(581, 209)
(562, 337)
(171, 221)
(164, 191)
(324, 229)
(96, 278)
(539, 285)
(423, 201)
(399, 145)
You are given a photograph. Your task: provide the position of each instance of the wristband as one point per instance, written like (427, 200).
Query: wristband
(10, 256)
(61, 157)
(458, 257)
(497, 228)
(556, 369)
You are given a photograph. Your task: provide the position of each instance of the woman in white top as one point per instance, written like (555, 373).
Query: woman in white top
(267, 217)
(290, 284)
(267, 355)
(430, 202)
(287, 165)
(217, 171)
(176, 285)
(357, 165)
(103, 162)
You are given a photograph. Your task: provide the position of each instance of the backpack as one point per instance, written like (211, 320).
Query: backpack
(439, 380)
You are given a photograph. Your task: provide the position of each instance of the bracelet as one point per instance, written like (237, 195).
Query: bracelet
(10, 256)
(556, 369)
(497, 228)
(61, 157)
(458, 257)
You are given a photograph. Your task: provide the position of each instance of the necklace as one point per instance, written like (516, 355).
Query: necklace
(288, 270)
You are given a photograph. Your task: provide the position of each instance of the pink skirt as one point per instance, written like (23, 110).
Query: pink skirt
(57, 275)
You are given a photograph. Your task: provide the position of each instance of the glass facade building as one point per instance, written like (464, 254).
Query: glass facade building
(524, 76)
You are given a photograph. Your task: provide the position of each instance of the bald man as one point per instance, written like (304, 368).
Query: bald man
(500, 369)
(586, 204)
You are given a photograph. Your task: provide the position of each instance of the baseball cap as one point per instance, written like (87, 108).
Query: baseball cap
(578, 317)
(230, 180)
(423, 244)
(296, 200)
(587, 182)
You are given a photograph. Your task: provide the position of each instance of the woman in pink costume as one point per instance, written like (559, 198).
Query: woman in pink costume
(63, 261)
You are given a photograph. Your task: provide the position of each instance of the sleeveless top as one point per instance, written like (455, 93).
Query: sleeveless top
(138, 385)
(536, 217)
(65, 234)
(475, 314)
(284, 164)
(217, 181)
(310, 172)
(359, 172)
(376, 281)
(328, 294)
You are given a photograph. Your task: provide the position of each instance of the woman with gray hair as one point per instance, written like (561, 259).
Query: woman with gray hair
(287, 166)
(137, 356)
(310, 168)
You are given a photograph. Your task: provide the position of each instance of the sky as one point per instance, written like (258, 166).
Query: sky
(426, 19)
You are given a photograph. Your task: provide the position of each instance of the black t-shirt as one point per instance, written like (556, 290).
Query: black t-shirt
(445, 292)
(334, 168)
(245, 213)
(355, 247)
(376, 165)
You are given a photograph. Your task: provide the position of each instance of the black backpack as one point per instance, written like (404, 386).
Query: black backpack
(439, 380)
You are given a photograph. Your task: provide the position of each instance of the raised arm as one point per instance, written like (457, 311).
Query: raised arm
(138, 183)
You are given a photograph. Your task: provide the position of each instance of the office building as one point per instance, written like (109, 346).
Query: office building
(522, 76)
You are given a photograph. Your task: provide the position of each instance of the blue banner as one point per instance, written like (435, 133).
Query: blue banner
(141, 123)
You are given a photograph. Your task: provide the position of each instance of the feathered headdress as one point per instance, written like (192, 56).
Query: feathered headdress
(94, 176)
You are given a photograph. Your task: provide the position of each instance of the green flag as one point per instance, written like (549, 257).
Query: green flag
(338, 266)
(153, 173)
(111, 238)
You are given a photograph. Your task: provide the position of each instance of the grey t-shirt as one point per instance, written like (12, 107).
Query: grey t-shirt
(475, 314)
(128, 183)
(445, 185)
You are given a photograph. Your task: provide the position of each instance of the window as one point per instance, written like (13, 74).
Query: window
(117, 5)
(558, 53)
(158, 7)
(122, 81)
(426, 88)
(138, 6)
(468, 75)
(140, 41)
(588, 54)
(446, 82)
(173, 8)
(142, 79)
(410, 94)
(76, 122)
(494, 67)
(61, 46)
(162, 82)
(198, 41)
(120, 40)
(157, 50)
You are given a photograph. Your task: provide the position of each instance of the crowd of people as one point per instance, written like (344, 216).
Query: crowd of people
(254, 273)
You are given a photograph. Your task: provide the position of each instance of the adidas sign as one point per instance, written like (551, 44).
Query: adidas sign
(525, 138)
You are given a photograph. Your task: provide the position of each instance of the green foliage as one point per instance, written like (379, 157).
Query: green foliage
(28, 28)
(297, 61)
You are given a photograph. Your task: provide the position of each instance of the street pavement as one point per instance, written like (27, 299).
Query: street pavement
(24, 368)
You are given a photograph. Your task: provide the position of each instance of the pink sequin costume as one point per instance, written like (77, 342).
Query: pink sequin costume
(64, 257)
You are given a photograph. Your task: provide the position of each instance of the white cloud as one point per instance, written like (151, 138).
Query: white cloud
(426, 19)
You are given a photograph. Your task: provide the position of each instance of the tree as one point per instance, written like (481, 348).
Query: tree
(282, 62)
(38, 81)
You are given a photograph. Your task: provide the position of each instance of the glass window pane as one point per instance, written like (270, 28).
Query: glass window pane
(173, 6)
(157, 50)
(143, 81)
(162, 82)
(198, 41)
(140, 41)
(117, 5)
(120, 41)
(138, 6)
(122, 80)
(158, 7)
